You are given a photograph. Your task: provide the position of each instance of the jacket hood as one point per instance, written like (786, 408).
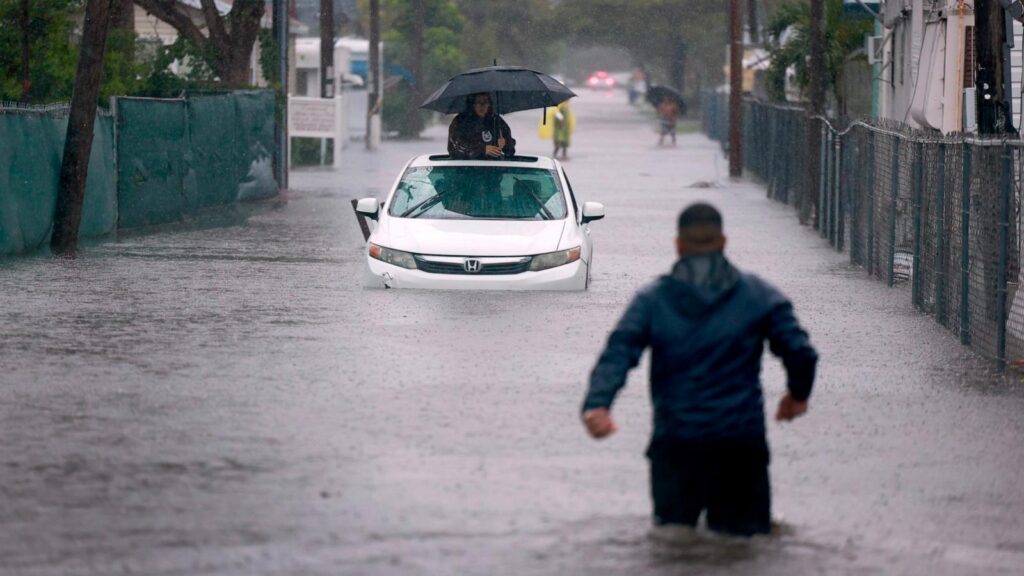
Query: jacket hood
(698, 283)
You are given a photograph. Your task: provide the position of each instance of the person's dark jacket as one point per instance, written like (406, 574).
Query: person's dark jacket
(469, 134)
(706, 324)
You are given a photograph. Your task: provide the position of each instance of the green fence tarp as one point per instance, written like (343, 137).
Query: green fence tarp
(151, 144)
(31, 148)
(179, 156)
(99, 212)
(216, 142)
(173, 158)
(255, 112)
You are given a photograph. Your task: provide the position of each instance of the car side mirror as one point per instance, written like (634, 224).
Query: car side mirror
(368, 207)
(592, 211)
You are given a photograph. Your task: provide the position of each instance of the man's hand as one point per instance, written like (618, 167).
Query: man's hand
(599, 422)
(493, 151)
(790, 408)
(501, 142)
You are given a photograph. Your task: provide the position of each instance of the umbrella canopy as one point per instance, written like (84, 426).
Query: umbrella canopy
(512, 89)
(657, 93)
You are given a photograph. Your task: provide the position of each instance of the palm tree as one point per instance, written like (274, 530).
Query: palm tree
(788, 43)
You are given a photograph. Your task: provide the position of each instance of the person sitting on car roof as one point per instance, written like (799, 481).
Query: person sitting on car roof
(477, 133)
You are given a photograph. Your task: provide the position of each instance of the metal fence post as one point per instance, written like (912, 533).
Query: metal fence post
(940, 239)
(783, 194)
(825, 201)
(895, 191)
(871, 204)
(822, 180)
(770, 164)
(965, 244)
(916, 206)
(836, 218)
(1006, 191)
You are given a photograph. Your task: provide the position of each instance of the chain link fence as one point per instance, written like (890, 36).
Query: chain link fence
(938, 214)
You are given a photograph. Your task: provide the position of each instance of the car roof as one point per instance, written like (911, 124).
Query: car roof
(541, 162)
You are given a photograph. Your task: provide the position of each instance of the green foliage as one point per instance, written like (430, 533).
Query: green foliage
(441, 57)
(523, 33)
(131, 66)
(397, 105)
(53, 59)
(843, 37)
(193, 71)
(269, 57)
(122, 72)
(53, 54)
(306, 152)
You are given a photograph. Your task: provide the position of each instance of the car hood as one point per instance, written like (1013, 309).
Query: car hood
(471, 237)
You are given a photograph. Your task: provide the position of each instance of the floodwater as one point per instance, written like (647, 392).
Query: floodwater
(227, 398)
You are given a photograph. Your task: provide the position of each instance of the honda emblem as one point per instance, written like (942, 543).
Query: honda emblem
(471, 265)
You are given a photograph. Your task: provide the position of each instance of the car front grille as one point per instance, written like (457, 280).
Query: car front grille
(486, 269)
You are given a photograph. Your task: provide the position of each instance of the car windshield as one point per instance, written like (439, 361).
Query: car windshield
(478, 192)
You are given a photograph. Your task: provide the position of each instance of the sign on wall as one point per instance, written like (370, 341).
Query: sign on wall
(317, 118)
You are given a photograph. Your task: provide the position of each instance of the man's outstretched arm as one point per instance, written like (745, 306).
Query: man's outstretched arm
(622, 352)
(790, 343)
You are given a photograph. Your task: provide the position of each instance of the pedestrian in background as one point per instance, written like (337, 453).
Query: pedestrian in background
(668, 114)
(565, 123)
(637, 85)
(705, 323)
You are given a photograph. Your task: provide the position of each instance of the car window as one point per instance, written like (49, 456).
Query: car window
(478, 192)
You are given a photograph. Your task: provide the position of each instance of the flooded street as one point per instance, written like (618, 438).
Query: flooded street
(227, 398)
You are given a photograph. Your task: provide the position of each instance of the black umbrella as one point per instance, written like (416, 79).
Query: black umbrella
(512, 88)
(657, 93)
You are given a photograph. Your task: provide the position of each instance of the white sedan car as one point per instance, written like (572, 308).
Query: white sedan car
(510, 224)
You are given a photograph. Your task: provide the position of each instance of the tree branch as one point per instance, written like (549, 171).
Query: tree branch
(215, 23)
(167, 11)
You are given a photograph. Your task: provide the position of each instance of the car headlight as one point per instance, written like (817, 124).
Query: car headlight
(554, 259)
(395, 257)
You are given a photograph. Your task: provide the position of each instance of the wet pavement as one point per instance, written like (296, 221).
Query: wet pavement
(226, 398)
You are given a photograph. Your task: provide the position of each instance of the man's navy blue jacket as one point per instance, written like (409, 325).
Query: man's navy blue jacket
(706, 325)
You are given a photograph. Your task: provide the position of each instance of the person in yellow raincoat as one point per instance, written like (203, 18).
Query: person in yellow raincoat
(559, 125)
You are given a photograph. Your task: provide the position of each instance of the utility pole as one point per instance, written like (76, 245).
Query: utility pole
(26, 50)
(815, 110)
(373, 103)
(735, 89)
(327, 75)
(414, 119)
(753, 24)
(74, 167)
(989, 42)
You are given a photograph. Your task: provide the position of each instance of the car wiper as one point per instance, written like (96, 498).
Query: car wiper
(426, 204)
(543, 209)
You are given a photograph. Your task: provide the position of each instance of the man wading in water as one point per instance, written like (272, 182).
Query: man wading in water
(706, 324)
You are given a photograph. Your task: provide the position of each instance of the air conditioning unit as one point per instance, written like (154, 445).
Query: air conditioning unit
(970, 111)
(874, 47)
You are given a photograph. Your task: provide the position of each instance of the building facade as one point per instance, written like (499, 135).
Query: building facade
(925, 64)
